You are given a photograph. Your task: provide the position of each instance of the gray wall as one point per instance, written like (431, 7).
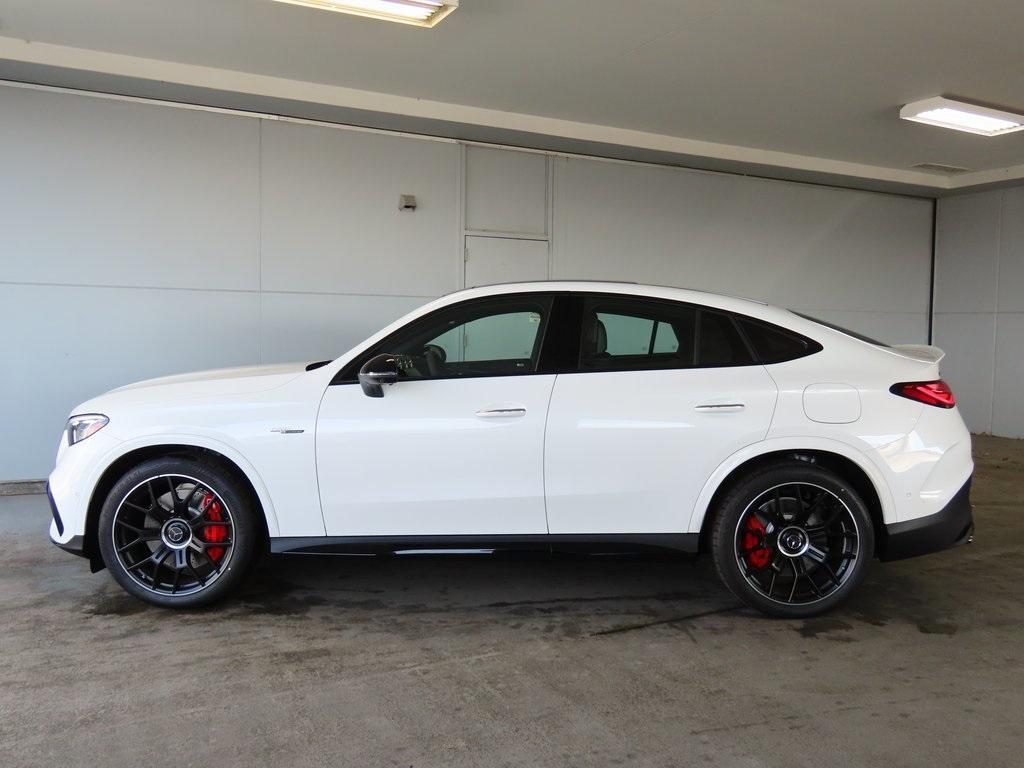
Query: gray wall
(979, 306)
(142, 240)
(859, 259)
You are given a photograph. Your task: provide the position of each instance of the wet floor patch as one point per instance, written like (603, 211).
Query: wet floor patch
(937, 628)
(827, 627)
(116, 605)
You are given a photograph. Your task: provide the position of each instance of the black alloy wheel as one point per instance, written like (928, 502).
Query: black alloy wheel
(175, 532)
(793, 539)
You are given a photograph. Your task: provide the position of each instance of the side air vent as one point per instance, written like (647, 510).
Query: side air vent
(940, 168)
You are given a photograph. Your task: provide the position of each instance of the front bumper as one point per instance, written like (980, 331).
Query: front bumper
(76, 544)
(949, 527)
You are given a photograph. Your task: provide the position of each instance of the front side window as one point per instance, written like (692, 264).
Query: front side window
(492, 337)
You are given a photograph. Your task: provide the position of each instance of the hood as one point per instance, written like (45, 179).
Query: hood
(251, 378)
(196, 386)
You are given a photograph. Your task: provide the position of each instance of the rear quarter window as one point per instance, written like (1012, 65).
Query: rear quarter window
(772, 344)
(720, 342)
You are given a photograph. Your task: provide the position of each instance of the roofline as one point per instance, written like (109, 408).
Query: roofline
(655, 286)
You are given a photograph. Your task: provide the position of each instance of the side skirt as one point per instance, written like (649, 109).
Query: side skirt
(592, 543)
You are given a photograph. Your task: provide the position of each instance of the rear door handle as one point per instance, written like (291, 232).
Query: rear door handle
(495, 413)
(720, 407)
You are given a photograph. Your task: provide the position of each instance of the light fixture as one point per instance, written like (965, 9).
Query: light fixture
(420, 13)
(961, 116)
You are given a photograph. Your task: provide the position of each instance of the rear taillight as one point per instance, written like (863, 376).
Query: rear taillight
(935, 393)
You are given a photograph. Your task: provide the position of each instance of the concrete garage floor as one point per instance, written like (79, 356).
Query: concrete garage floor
(482, 662)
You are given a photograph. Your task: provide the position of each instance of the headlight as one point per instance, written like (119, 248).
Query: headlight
(83, 425)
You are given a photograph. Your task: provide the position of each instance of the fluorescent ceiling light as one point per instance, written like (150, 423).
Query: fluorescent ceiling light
(961, 116)
(420, 13)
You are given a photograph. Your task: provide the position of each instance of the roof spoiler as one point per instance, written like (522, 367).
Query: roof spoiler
(922, 352)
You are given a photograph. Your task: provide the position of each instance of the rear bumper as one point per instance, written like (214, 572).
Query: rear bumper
(950, 526)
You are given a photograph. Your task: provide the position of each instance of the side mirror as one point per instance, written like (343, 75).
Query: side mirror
(376, 372)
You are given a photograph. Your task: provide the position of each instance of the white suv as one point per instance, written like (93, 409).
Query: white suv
(549, 415)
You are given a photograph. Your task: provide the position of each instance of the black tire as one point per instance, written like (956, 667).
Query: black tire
(769, 516)
(211, 513)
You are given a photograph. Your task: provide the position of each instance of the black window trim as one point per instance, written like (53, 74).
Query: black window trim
(560, 301)
(698, 309)
(813, 347)
(348, 373)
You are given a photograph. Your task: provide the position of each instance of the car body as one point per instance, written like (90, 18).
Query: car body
(565, 413)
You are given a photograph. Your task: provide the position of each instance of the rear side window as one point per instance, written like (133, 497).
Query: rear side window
(634, 334)
(776, 345)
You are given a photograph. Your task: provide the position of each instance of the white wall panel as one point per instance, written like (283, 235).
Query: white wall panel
(73, 343)
(967, 239)
(304, 326)
(968, 339)
(109, 193)
(1007, 408)
(979, 305)
(506, 191)
(330, 217)
(790, 244)
(1011, 254)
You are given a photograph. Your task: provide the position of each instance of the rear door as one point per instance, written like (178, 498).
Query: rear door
(663, 393)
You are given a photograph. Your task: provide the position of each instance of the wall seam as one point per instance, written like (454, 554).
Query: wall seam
(259, 238)
(931, 274)
(462, 200)
(995, 316)
(549, 212)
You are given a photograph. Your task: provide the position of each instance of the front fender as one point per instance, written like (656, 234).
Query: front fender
(194, 441)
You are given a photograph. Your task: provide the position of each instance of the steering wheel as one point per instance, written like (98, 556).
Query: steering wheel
(435, 349)
(435, 357)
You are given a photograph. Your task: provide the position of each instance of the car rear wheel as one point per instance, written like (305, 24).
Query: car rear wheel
(176, 532)
(792, 539)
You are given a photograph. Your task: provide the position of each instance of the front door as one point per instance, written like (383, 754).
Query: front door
(455, 447)
(665, 392)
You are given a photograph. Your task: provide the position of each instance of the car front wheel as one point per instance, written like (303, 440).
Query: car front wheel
(792, 540)
(176, 532)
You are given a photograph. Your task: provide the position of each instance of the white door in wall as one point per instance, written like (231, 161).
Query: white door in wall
(492, 260)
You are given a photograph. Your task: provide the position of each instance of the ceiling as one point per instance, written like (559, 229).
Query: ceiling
(808, 85)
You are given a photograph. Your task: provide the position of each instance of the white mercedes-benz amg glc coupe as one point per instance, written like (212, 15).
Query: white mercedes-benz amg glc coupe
(551, 415)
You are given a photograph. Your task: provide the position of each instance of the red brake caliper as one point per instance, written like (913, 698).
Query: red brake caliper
(755, 550)
(213, 533)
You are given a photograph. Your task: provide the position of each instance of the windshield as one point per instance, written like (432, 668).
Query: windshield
(847, 331)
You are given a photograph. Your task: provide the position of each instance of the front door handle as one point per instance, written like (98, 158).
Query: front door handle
(720, 407)
(494, 413)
